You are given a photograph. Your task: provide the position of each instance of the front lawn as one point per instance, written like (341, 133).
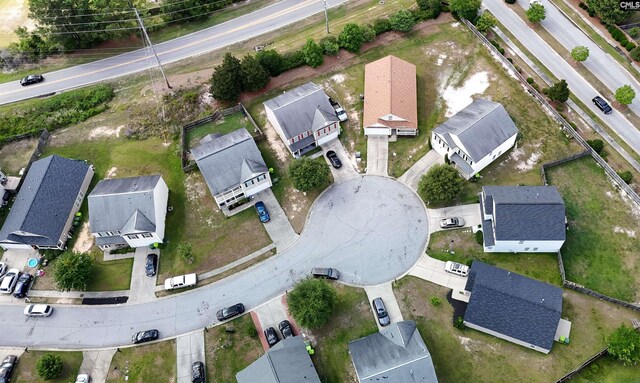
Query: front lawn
(26, 368)
(141, 364)
(603, 241)
(110, 275)
(471, 356)
(543, 267)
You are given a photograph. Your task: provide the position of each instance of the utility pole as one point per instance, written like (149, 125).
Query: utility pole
(145, 36)
(326, 16)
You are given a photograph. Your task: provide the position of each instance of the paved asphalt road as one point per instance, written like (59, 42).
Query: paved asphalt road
(561, 69)
(242, 28)
(372, 229)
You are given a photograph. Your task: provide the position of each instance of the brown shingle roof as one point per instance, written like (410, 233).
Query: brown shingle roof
(390, 88)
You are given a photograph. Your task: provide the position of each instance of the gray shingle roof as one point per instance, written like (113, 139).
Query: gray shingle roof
(301, 109)
(527, 212)
(395, 354)
(513, 305)
(123, 204)
(286, 362)
(45, 200)
(462, 164)
(481, 127)
(224, 161)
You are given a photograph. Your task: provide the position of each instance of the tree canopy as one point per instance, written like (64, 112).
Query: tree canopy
(559, 91)
(467, 9)
(485, 22)
(402, 21)
(308, 174)
(580, 53)
(625, 94)
(624, 344)
(73, 271)
(536, 13)
(225, 81)
(441, 184)
(311, 302)
(253, 76)
(608, 10)
(271, 61)
(313, 54)
(351, 38)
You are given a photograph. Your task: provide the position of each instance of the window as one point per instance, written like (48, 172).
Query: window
(535, 249)
(521, 242)
(132, 236)
(147, 235)
(526, 249)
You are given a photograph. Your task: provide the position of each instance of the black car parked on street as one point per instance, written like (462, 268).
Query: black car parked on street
(31, 79)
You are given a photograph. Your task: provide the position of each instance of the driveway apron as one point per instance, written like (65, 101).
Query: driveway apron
(279, 228)
(347, 171)
(142, 287)
(377, 155)
(189, 349)
(96, 364)
(384, 291)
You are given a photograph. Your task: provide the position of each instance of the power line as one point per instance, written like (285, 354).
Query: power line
(83, 15)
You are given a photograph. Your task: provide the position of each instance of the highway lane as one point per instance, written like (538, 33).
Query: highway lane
(239, 29)
(561, 69)
(373, 229)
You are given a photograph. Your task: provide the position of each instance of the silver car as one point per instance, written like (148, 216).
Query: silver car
(38, 310)
(452, 222)
(456, 268)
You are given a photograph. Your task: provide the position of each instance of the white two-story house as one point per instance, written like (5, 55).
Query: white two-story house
(474, 137)
(522, 219)
(303, 118)
(128, 211)
(232, 166)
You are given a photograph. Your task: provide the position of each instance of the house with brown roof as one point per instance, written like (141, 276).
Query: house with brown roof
(390, 98)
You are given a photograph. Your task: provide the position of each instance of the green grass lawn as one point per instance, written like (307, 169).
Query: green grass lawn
(602, 247)
(352, 319)
(110, 275)
(26, 368)
(151, 363)
(608, 370)
(226, 125)
(471, 356)
(228, 353)
(543, 267)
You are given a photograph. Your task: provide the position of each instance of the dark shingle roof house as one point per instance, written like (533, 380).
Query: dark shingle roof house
(286, 362)
(43, 211)
(303, 118)
(128, 211)
(232, 166)
(513, 307)
(396, 354)
(475, 136)
(522, 218)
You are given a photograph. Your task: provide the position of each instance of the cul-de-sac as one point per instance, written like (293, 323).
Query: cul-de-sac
(320, 191)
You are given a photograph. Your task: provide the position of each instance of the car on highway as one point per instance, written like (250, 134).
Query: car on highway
(151, 267)
(31, 79)
(7, 367)
(333, 158)
(38, 310)
(261, 209)
(145, 336)
(325, 272)
(452, 222)
(83, 378)
(456, 268)
(381, 312)
(9, 281)
(181, 281)
(602, 104)
(197, 373)
(23, 285)
(285, 329)
(230, 312)
(3, 269)
(271, 336)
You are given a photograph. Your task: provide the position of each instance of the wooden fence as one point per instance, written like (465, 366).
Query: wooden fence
(37, 152)
(583, 365)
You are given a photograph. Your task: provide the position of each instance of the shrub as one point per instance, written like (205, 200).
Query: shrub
(635, 53)
(445, 9)
(530, 80)
(271, 61)
(536, 13)
(330, 45)
(634, 32)
(313, 53)
(253, 76)
(368, 33)
(402, 21)
(479, 238)
(582, 5)
(49, 366)
(435, 301)
(624, 345)
(626, 176)
(293, 60)
(308, 174)
(459, 323)
(185, 252)
(591, 12)
(630, 46)
(510, 60)
(559, 91)
(510, 1)
(381, 26)
(624, 42)
(428, 9)
(351, 38)
(311, 302)
(501, 50)
(597, 145)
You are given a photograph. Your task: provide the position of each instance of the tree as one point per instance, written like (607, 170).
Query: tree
(49, 366)
(635, 53)
(608, 10)
(597, 145)
(625, 94)
(580, 53)
(381, 26)
(312, 53)
(430, 7)
(225, 81)
(626, 176)
(485, 22)
(351, 38)
(252, 75)
(73, 271)
(559, 91)
(185, 252)
(536, 12)
(271, 61)
(624, 344)
(440, 185)
(311, 302)
(467, 9)
(368, 33)
(308, 174)
(330, 45)
(402, 21)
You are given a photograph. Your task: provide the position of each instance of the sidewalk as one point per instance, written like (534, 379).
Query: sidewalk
(412, 176)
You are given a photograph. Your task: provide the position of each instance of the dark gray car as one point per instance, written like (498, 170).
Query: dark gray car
(381, 312)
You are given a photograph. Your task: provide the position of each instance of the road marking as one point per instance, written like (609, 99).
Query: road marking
(256, 22)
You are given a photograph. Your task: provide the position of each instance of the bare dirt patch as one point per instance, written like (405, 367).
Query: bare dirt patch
(105, 131)
(111, 173)
(84, 242)
(275, 142)
(458, 98)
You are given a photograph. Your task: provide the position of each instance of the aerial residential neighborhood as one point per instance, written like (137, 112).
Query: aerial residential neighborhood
(279, 191)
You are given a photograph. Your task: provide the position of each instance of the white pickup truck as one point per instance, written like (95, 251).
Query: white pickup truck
(180, 281)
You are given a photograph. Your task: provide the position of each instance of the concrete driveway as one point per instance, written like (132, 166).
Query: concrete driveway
(470, 213)
(384, 291)
(412, 176)
(279, 228)
(432, 270)
(347, 171)
(142, 288)
(378, 155)
(268, 315)
(6, 351)
(17, 259)
(96, 364)
(189, 349)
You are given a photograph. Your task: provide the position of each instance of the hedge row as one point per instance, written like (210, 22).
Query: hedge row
(590, 11)
(55, 112)
(620, 37)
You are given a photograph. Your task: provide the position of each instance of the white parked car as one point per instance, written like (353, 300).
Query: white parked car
(3, 269)
(341, 114)
(456, 268)
(452, 222)
(9, 281)
(83, 378)
(39, 310)
(180, 281)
